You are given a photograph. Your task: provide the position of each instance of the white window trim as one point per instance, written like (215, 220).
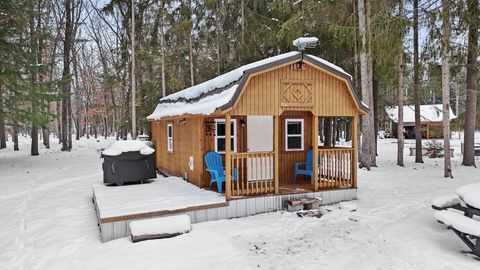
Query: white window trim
(234, 136)
(169, 149)
(294, 135)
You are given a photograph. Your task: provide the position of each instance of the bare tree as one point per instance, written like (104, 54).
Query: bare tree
(472, 71)
(400, 93)
(416, 86)
(446, 86)
(366, 146)
(3, 143)
(67, 45)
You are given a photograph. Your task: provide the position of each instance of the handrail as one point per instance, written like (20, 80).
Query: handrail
(255, 173)
(336, 168)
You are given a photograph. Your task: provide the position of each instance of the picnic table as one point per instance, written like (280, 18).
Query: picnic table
(461, 222)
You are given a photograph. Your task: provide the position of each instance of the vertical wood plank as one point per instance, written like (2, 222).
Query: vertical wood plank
(355, 150)
(277, 151)
(315, 151)
(228, 157)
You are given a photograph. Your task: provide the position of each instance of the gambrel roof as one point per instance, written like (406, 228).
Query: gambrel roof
(221, 92)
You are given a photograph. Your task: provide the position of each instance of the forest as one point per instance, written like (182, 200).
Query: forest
(88, 68)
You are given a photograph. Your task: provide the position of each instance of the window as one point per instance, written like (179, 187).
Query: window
(294, 134)
(220, 135)
(170, 137)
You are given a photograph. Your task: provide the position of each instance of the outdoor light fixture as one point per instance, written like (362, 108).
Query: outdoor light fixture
(242, 123)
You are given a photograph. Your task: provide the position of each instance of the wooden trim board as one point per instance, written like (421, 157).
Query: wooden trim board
(162, 212)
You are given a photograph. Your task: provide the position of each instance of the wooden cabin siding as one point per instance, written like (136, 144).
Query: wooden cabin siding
(209, 142)
(264, 93)
(288, 158)
(187, 141)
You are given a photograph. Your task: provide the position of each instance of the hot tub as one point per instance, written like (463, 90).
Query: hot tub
(128, 161)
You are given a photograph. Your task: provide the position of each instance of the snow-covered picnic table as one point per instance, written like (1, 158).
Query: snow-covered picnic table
(467, 200)
(470, 194)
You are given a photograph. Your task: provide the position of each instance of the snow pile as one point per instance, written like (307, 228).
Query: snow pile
(446, 201)
(459, 222)
(120, 147)
(428, 113)
(160, 227)
(166, 194)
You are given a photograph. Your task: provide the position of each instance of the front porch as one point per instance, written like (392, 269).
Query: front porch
(272, 172)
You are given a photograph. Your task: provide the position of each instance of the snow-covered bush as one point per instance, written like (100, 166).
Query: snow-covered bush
(434, 148)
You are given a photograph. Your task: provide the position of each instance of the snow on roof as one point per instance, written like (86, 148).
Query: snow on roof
(206, 97)
(224, 79)
(428, 113)
(120, 147)
(204, 106)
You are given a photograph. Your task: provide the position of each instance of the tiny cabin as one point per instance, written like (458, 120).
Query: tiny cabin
(431, 119)
(276, 109)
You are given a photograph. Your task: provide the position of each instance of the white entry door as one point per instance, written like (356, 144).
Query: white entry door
(259, 139)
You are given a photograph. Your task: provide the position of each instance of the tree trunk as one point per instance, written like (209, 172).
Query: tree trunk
(33, 80)
(348, 131)
(66, 76)
(320, 130)
(133, 84)
(446, 86)
(59, 119)
(327, 131)
(15, 138)
(400, 93)
(3, 142)
(365, 151)
(162, 47)
(416, 86)
(46, 137)
(472, 73)
(190, 47)
(372, 138)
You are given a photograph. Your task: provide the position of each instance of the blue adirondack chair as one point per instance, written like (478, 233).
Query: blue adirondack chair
(308, 170)
(213, 160)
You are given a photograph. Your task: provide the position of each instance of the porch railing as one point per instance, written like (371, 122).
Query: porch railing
(335, 170)
(255, 173)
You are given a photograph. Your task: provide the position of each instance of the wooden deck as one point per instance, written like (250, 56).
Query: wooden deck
(114, 224)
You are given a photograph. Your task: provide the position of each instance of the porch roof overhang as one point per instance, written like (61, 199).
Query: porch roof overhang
(222, 92)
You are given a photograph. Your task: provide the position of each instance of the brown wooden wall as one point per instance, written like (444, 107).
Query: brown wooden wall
(187, 141)
(267, 93)
(209, 143)
(288, 158)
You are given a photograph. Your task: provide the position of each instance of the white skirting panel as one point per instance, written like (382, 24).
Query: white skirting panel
(236, 208)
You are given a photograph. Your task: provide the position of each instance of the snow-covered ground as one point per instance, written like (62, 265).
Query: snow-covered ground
(47, 221)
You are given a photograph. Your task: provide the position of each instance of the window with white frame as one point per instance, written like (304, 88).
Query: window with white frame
(170, 137)
(294, 134)
(220, 135)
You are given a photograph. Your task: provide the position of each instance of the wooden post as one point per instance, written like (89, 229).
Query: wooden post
(354, 164)
(276, 139)
(228, 157)
(315, 152)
